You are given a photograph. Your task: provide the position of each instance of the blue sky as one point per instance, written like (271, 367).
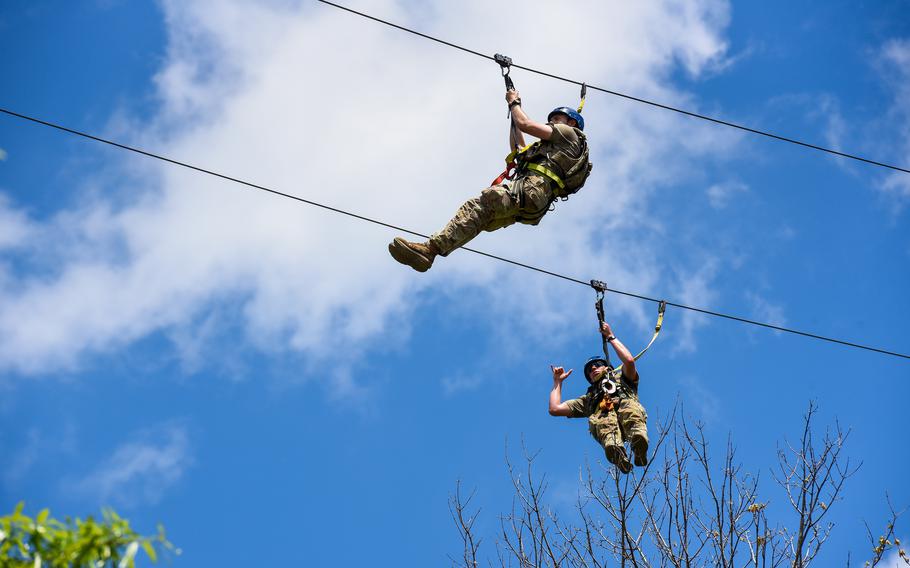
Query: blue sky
(249, 371)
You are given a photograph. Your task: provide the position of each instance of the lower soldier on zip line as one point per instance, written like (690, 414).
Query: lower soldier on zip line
(556, 166)
(611, 405)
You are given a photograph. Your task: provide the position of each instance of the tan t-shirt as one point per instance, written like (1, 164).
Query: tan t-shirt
(565, 135)
(582, 406)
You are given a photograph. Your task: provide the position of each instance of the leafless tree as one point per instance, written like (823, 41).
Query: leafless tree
(886, 541)
(813, 478)
(689, 507)
(465, 524)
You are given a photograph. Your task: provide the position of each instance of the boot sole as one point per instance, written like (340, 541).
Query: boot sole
(639, 453)
(401, 252)
(620, 460)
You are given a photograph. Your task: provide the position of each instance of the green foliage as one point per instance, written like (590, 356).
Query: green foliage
(47, 542)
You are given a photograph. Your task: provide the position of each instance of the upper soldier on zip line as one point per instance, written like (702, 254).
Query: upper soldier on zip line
(555, 166)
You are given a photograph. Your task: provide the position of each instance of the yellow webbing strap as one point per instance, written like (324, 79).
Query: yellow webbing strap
(536, 167)
(547, 172)
(517, 152)
(660, 321)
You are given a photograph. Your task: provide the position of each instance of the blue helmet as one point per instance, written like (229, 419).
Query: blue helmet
(592, 362)
(571, 113)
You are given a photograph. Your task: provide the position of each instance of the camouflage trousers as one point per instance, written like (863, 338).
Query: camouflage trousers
(526, 201)
(616, 426)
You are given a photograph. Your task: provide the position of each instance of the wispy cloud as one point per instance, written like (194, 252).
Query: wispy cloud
(3, 155)
(35, 449)
(15, 227)
(766, 311)
(892, 559)
(141, 470)
(460, 382)
(721, 194)
(696, 394)
(170, 255)
(895, 61)
(695, 290)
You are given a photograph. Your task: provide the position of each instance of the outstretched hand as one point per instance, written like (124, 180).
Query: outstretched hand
(560, 374)
(512, 95)
(605, 329)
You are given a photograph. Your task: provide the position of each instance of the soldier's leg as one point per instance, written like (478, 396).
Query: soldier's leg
(634, 421)
(605, 429)
(495, 208)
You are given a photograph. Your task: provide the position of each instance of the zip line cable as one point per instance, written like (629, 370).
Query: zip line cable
(629, 97)
(415, 233)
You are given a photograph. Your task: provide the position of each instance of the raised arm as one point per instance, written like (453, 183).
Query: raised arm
(557, 406)
(628, 361)
(516, 138)
(525, 124)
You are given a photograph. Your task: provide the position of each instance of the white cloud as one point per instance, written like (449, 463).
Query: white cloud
(19, 463)
(695, 393)
(892, 559)
(721, 194)
(15, 228)
(37, 448)
(359, 116)
(142, 470)
(766, 311)
(460, 382)
(895, 58)
(695, 290)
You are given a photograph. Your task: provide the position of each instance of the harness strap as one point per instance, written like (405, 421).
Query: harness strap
(508, 173)
(661, 308)
(512, 166)
(547, 172)
(514, 154)
(584, 91)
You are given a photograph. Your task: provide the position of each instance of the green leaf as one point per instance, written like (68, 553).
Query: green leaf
(42, 516)
(150, 550)
(131, 550)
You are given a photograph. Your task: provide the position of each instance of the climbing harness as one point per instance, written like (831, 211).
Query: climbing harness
(601, 288)
(575, 170)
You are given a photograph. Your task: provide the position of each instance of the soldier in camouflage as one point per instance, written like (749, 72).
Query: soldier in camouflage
(557, 166)
(611, 405)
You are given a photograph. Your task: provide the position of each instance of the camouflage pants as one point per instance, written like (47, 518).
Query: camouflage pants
(616, 426)
(497, 207)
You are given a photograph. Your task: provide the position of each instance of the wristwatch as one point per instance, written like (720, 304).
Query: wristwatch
(611, 338)
(516, 102)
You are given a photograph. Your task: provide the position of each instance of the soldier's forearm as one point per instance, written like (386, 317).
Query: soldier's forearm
(516, 138)
(621, 351)
(519, 118)
(555, 396)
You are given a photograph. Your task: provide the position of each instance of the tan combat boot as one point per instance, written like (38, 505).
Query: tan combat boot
(418, 256)
(639, 443)
(617, 455)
